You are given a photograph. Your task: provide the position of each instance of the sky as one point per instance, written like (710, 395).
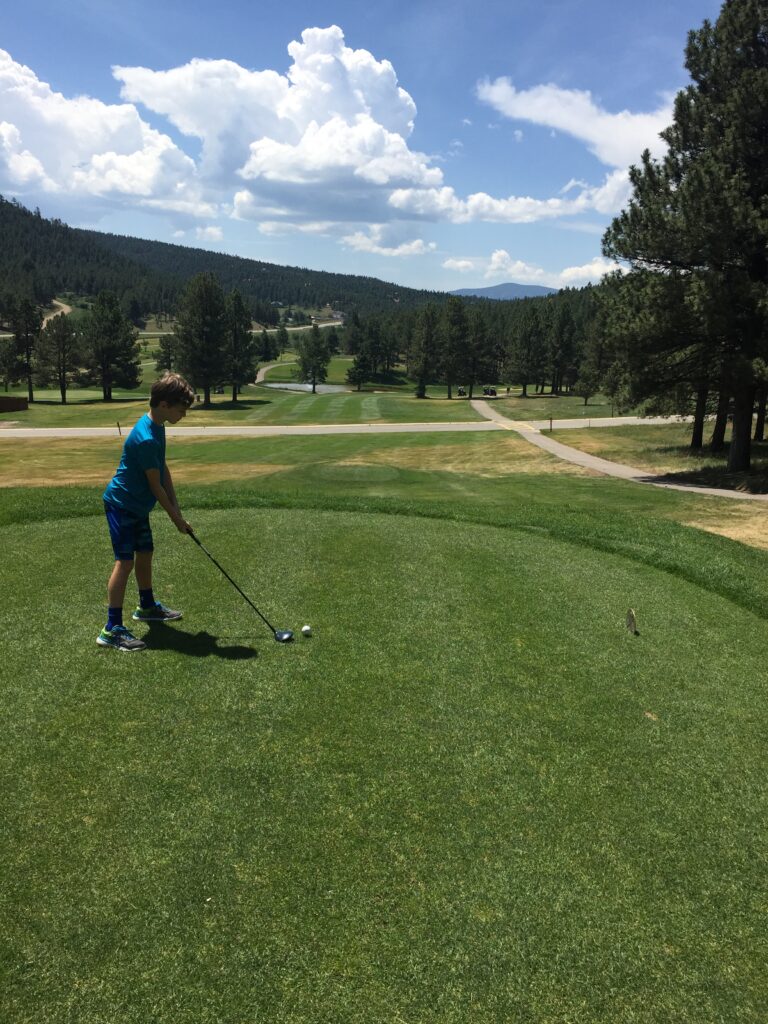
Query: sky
(439, 145)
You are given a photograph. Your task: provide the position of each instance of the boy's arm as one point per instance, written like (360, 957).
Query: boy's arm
(163, 498)
(170, 490)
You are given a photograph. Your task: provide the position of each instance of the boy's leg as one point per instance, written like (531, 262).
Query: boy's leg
(144, 569)
(149, 610)
(118, 581)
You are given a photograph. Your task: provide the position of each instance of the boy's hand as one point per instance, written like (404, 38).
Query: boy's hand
(181, 524)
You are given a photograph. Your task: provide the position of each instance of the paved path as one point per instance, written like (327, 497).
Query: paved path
(245, 431)
(533, 434)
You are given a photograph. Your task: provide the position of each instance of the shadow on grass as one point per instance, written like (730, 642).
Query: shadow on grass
(228, 406)
(165, 637)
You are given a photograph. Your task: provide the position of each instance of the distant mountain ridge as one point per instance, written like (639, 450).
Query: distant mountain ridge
(509, 290)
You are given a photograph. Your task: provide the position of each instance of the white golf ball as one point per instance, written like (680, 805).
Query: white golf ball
(306, 630)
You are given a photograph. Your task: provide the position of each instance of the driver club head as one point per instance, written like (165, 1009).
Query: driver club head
(283, 636)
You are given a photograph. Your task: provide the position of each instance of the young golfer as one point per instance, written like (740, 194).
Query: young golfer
(141, 480)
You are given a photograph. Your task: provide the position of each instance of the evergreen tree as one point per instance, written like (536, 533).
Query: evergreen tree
(361, 369)
(26, 320)
(201, 333)
(166, 356)
(453, 341)
(313, 357)
(424, 351)
(701, 212)
(111, 348)
(9, 362)
(60, 352)
(479, 360)
(282, 340)
(239, 348)
(524, 358)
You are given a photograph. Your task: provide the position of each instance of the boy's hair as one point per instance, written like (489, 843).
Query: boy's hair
(173, 389)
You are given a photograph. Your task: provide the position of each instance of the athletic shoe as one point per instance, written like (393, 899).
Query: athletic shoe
(120, 638)
(157, 614)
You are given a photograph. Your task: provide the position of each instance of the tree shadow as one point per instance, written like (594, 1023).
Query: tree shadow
(165, 637)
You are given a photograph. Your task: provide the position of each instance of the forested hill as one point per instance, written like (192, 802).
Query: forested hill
(268, 282)
(40, 258)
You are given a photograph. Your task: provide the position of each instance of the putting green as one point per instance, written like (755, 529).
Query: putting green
(470, 796)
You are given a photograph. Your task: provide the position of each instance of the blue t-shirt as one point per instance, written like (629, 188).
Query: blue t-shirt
(144, 449)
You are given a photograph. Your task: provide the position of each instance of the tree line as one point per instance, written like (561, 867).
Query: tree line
(689, 321)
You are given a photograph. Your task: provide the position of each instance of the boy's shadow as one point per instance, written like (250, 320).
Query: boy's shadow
(164, 637)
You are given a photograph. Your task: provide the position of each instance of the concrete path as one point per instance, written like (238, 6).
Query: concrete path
(533, 435)
(275, 431)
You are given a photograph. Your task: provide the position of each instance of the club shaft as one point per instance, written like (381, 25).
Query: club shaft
(225, 573)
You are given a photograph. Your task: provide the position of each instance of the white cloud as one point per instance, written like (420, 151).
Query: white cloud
(372, 243)
(337, 121)
(517, 135)
(463, 266)
(210, 234)
(617, 140)
(501, 264)
(85, 147)
(443, 203)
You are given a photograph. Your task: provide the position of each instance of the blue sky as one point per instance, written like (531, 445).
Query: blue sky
(434, 145)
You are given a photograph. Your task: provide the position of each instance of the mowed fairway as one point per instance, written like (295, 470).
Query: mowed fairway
(471, 796)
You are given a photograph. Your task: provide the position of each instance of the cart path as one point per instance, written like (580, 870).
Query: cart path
(531, 433)
(245, 431)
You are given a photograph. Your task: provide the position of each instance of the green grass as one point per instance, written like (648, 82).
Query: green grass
(471, 796)
(665, 450)
(256, 406)
(541, 407)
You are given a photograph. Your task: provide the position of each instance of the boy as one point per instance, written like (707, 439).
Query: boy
(142, 478)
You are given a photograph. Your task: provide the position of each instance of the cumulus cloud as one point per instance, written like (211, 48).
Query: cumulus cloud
(50, 143)
(617, 140)
(463, 266)
(373, 243)
(443, 203)
(322, 141)
(210, 234)
(501, 264)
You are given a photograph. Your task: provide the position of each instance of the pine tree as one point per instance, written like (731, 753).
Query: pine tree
(201, 331)
(26, 320)
(313, 358)
(701, 212)
(111, 348)
(424, 351)
(239, 348)
(60, 351)
(453, 341)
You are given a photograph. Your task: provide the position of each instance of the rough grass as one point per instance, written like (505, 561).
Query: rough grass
(665, 450)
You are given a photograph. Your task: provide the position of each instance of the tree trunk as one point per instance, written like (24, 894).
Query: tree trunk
(717, 442)
(234, 392)
(524, 393)
(741, 437)
(206, 395)
(759, 434)
(63, 389)
(697, 435)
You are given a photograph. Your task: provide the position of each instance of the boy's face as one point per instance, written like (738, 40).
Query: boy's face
(174, 413)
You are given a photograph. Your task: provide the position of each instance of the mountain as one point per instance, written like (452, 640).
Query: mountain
(260, 282)
(510, 290)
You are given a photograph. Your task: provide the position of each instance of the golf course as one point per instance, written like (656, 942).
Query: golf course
(472, 795)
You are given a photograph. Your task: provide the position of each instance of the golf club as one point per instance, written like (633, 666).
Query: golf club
(283, 636)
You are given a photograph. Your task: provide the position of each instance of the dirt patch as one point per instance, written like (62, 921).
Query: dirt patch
(486, 460)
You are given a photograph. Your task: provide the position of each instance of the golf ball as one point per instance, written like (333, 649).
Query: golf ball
(306, 630)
